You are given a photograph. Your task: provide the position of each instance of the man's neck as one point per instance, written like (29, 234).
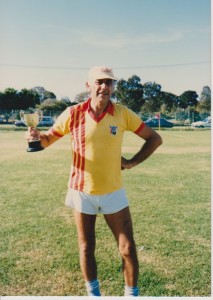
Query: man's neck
(98, 108)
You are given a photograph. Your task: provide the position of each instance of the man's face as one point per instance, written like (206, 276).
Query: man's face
(101, 89)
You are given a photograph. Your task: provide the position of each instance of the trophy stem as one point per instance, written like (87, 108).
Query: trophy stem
(34, 146)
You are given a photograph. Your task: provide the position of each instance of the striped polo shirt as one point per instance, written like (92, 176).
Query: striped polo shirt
(96, 145)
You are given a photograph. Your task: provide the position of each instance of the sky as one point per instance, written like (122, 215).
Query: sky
(53, 43)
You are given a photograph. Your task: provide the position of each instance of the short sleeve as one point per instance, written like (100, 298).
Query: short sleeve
(62, 124)
(133, 121)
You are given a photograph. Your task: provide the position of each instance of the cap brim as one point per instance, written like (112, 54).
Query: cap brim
(107, 77)
(102, 76)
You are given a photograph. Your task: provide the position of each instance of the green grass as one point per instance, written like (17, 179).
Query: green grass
(170, 204)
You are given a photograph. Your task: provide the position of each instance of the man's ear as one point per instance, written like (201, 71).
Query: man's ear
(88, 86)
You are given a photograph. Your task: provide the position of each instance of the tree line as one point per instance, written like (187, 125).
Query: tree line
(141, 98)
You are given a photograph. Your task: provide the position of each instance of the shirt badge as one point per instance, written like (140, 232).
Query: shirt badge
(113, 130)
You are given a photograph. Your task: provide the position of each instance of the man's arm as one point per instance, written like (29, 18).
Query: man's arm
(46, 138)
(152, 141)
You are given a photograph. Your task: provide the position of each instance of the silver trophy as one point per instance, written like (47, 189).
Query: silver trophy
(32, 119)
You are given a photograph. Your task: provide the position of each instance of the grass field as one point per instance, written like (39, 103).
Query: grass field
(170, 204)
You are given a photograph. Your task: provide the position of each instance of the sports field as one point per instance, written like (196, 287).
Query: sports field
(170, 204)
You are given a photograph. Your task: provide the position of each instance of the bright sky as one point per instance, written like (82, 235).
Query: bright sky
(53, 43)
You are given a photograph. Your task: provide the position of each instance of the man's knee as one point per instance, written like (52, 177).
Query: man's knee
(127, 249)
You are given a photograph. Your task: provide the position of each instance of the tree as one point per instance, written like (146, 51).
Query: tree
(12, 99)
(27, 98)
(205, 100)
(130, 93)
(52, 105)
(188, 98)
(170, 100)
(49, 95)
(152, 97)
(43, 93)
(81, 97)
(65, 99)
(40, 91)
(8, 99)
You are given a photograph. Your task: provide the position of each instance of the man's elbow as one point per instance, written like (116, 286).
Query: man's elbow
(158, 141)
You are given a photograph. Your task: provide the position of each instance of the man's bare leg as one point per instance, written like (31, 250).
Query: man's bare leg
(86, 240)
(121, 225)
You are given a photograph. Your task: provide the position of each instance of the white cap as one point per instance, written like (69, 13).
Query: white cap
(100, 72)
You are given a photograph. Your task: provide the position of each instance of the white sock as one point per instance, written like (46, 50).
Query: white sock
(131, 291)
(93, 288)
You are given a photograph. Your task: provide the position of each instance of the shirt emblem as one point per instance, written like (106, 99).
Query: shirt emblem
(113, 130)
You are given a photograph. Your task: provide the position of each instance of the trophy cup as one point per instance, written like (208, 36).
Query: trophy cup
(32, 119)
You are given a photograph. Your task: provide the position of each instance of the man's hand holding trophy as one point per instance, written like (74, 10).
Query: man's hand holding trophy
(31, 119)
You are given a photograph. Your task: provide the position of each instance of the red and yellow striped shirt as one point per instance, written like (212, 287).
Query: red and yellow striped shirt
(96, 145)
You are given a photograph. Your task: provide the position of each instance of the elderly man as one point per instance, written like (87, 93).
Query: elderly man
(95, 185)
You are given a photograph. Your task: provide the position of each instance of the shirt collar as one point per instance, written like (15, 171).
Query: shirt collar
(86, 107)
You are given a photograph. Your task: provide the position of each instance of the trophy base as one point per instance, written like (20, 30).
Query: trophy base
(35, 146)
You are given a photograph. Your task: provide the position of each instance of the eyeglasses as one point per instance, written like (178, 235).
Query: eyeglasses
(108, 82)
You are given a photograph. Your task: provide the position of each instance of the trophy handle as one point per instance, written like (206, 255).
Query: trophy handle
(40, 115)
(22, 115)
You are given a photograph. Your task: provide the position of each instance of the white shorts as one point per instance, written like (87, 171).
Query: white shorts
(92, 204)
